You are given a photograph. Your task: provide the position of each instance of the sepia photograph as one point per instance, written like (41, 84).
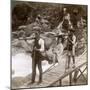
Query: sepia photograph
(49, 45)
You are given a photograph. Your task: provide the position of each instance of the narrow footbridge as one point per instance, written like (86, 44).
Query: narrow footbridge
(58, 72)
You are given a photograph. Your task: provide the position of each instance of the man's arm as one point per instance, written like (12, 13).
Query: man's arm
(26, 38)
(41, 42)
(74, 39)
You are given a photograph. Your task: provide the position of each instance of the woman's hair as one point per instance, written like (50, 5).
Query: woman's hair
(62, 39)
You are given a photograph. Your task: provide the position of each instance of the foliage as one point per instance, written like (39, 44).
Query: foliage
(24, 13)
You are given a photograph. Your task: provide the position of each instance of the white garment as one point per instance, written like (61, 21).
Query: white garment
(59, 51)
(67, 17)
(74, 39)
(41, 43)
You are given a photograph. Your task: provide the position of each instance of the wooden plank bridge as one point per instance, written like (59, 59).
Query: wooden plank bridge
(57, 74)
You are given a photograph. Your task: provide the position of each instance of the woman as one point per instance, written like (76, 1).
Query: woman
(58, 50)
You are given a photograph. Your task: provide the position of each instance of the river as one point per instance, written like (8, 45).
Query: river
(22, 64)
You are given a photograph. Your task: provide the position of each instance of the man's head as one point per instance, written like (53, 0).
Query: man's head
(60, 39)
(65, 10)
(39, 16)
(37, 35)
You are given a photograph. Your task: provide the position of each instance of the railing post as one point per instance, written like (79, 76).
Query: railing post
(60, 82)
(70, 79)
(75, 76)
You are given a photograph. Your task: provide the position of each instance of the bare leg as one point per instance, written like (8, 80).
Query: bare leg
(54, 58)
(33, 71)
(40, 71)
(69, 61)
(73, 57)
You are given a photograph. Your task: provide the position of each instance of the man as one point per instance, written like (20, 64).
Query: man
(71, 44)
(66, 20)
(36, 57)
(38, 20)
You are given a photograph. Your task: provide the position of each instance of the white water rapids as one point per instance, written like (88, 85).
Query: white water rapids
(22, 65)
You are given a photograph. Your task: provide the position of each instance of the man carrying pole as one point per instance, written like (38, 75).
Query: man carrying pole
(36, 56)
(71, 44)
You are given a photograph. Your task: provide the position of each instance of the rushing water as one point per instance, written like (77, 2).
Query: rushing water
(22, 64)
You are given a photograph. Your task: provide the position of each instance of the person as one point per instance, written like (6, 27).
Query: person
(66, 20)
(71, 44)
(36, 57)
(59, 47)
(38, 20)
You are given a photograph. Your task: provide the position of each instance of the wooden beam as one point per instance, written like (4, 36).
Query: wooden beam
(60, 82)
(82, 74)
(75, 76)
(70, 79)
